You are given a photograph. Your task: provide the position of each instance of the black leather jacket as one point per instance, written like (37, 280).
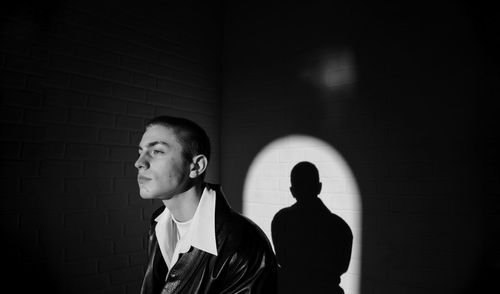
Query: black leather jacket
(245, 262)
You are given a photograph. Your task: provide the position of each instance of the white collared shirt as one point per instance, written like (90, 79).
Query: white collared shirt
(200, 231)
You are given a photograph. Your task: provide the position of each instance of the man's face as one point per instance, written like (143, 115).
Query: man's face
(162, 170)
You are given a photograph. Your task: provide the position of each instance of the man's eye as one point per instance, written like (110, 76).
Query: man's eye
(156, 152)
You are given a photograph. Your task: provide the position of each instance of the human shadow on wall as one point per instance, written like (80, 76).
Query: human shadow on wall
(313, 245)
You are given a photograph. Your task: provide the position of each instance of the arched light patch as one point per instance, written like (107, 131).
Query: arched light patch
(267, 184)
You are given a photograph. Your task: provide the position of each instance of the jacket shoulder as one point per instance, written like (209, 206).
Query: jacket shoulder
(235, 232)
(240, 233)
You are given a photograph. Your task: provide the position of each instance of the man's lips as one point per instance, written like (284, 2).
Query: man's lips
(143, 179)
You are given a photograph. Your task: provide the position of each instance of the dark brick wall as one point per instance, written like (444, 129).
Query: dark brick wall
(78, 80)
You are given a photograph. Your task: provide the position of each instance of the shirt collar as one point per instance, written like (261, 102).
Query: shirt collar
(201, 233)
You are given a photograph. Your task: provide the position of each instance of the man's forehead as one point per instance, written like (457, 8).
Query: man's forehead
(158, 133)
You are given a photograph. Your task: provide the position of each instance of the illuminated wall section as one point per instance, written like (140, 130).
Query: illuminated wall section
(267, 184)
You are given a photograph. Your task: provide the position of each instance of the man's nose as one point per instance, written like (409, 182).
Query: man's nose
(142, 162)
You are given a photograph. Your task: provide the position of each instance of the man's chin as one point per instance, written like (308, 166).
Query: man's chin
(146, 197)
(146, 194)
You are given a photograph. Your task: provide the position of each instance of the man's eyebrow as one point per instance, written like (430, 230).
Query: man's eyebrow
(151, 144)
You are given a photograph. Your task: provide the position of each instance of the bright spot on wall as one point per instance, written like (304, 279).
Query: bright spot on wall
(330, 70)
(267, 184)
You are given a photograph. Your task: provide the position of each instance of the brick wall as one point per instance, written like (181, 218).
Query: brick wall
(78, 80)
(406, 124)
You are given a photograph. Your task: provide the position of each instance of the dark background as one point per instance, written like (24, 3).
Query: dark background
(416, 126)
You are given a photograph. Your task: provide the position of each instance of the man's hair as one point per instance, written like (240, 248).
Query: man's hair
(193, 139)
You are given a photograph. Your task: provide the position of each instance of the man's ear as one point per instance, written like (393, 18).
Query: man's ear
(198, 166)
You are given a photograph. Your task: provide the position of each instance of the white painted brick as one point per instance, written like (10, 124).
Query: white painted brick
(350, 217)
(287, 199)
(284, 155)
(334, 186)
(350, 282)
(284, 184)
(285, 169)
(257, 210)
(356, 234)
(264, 196)
(266, 183)
(302, 141)
(265, 225)
(270, 170)
(354, 266)
(356, 252)
(339, 201)
(331, 170)
(269, 157)
(250, 210)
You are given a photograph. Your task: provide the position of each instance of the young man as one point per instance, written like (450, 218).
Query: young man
(197, 243)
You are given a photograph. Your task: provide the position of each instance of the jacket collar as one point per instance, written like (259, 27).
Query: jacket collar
(201, 234)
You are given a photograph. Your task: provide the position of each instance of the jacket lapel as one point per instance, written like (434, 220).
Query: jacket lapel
(187, 265)
(156, 271)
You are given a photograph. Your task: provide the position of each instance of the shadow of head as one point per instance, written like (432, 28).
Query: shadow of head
(305, 181)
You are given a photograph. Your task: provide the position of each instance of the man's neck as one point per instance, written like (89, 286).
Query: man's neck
(183, 205)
